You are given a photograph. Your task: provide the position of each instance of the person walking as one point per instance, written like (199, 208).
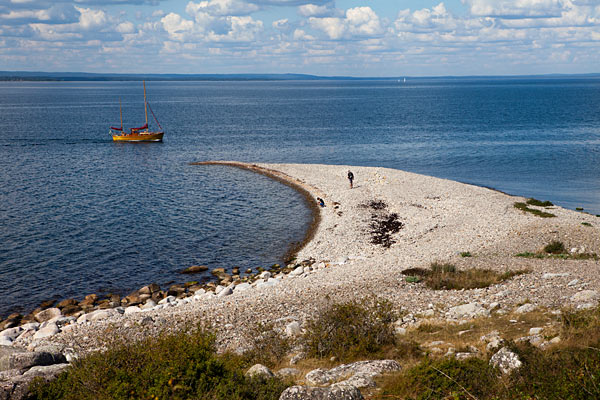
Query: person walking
(350, 178)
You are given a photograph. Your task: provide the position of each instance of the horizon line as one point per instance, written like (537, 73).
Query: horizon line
(73, 75)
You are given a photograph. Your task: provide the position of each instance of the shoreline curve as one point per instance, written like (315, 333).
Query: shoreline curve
(306, 191)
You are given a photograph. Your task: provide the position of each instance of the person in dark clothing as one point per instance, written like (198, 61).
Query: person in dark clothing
(321, 202)
(350, 178)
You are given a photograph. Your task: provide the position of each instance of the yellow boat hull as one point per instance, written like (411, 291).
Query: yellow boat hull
(139, 137)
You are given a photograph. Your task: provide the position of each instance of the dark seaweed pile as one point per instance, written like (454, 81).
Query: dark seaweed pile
(383, 225)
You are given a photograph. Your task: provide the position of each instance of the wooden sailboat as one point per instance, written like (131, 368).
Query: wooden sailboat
(141, 134)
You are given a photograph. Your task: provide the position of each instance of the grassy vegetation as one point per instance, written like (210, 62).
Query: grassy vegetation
(539, 203)
(569, 370)
(523, 207)
(466, 254)
(172, 366)
(185, 365)
(351, 330)
(556, 249)
(586, 224)
(445, 276)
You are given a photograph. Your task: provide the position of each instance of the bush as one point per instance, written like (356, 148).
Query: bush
(269, 346)
(349, 330)
(172, 366)
(555, 247)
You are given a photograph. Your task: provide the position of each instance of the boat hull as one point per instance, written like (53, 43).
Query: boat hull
(139, 137)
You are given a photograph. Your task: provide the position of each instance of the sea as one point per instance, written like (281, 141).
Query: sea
(80, 214)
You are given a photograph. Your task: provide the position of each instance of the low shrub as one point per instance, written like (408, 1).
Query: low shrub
(269, 346)
(172, 366)
(466, 254)
(586, 224)
(350, 330)
(555, 247)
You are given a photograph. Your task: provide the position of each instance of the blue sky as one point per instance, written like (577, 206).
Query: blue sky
(339, 37)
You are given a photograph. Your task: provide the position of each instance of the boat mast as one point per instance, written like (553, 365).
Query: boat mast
(145, 106)
(121, 114)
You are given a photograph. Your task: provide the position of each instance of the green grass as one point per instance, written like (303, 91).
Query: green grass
(586, 224)
(445, 276)
(466, 254)
(578, 208)
(542, 214)
(539, 203)
(172, 366)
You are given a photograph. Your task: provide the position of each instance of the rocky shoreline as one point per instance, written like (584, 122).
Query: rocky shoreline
(424, 220)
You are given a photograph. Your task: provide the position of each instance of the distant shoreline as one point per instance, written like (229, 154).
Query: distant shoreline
(41, 76)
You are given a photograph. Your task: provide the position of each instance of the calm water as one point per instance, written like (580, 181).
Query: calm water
(81, 214)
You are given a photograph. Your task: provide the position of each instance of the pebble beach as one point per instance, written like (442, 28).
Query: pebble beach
(438, 221)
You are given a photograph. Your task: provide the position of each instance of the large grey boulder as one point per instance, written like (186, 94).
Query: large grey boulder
(360, 371)
(47, 331)
(505, 360)
(337, 392)
(46, 371)
(26, 359)
(48, 314)
(585, 296)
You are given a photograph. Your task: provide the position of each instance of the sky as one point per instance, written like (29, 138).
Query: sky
(375, 38)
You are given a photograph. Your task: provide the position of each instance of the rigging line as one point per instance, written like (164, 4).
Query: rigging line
(155, 117)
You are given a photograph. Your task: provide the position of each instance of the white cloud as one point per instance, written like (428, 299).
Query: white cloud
(358, 22)
(299, 34)
(516, 8)
(315, 10)
(221, 8)
(90, 18)
(176, 26)
(125, 27)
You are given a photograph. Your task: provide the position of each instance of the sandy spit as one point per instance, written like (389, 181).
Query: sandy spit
(441, 219)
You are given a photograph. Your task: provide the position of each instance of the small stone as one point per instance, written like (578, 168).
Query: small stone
(293, 329)
(265, 275)
(298, 271)
(470, 310)
(573, 282)
(336, 392)
(535, 331)
(132, 310)
(225, 292)
(168, 299)
(242, 286)
(526, 308)
(288, 373)
(195, 269)
(505, 360)
(551, 275)
(259, 370)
